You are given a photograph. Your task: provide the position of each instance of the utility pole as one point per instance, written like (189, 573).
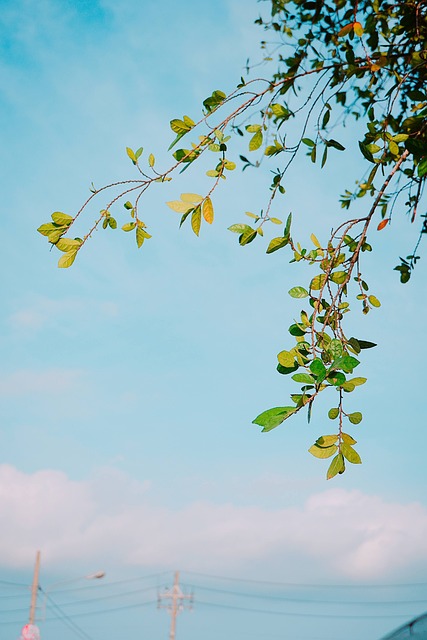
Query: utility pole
(176, 603)
(34, 589)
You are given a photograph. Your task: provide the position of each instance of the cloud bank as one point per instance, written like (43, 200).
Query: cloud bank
(112, 518)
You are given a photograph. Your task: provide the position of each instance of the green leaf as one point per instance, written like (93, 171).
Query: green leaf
(275, 220)
(179, 126)
(335, 145)
(256, 141)
(357, 381)
(66, 244)
(54, 236)
(298, 292)
(355, 418)
(271, 418)
(336, 378)
(308, 142)
(286, 359)
(62, 218)
(247, 237)
(365, 152)
(350, 454)
(67, 259)
(335, 348)
(374, 301)
(348, 439)
(240, 228)
(394, 148)
(287, 230)
(364, 344)
(346, 363)
(277, 243)
(337, 466)
(348, 387)
(296, 331)
(318, 281)
(46, 229)
(304, 378)
(285, 371)
(129, 226)
(422, 168)
(128, 205)
(196, 220)
(140, 236)
(339, 277)
(318, 369)
(333, 413)
(323, 452)
(279, 111)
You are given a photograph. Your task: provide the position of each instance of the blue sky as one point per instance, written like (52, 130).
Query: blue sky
(130, 381)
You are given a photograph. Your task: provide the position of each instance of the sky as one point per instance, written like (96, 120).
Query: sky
(129, 382)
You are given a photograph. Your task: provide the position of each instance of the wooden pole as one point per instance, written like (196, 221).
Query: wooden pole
(34, 589)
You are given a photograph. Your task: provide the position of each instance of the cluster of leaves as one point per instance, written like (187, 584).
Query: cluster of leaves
(323, 356)
(333, 61)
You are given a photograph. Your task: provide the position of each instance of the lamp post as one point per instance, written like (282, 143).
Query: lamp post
(98, 575)
(30, 631)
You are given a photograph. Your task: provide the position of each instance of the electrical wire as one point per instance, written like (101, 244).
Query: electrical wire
(90, 613)
(63, 617)
(117, 582)
(304, 600)
(312, 585)
(300, 615)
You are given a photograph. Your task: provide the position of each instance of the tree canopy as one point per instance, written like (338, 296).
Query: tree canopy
(327, 63)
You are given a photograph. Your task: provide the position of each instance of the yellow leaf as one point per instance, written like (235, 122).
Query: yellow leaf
(358, 29)
(323, 452)
(179, 206)
(315, 241)
(191, 197)
(208, 211)
(67, 259)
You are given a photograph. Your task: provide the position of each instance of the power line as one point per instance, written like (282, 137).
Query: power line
(7, 583)
(63, 617)
(312, 585)
(301, 615)
(117, 582)
(91, 613)
(307, 600)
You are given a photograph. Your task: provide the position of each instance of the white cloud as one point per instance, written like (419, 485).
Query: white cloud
(112, 519)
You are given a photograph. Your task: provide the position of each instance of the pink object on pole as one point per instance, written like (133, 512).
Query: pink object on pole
(30, 632)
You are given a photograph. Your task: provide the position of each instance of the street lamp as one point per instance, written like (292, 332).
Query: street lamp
(91, 576)
(30, 631)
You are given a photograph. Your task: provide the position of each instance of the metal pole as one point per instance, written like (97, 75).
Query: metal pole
(34, 589)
